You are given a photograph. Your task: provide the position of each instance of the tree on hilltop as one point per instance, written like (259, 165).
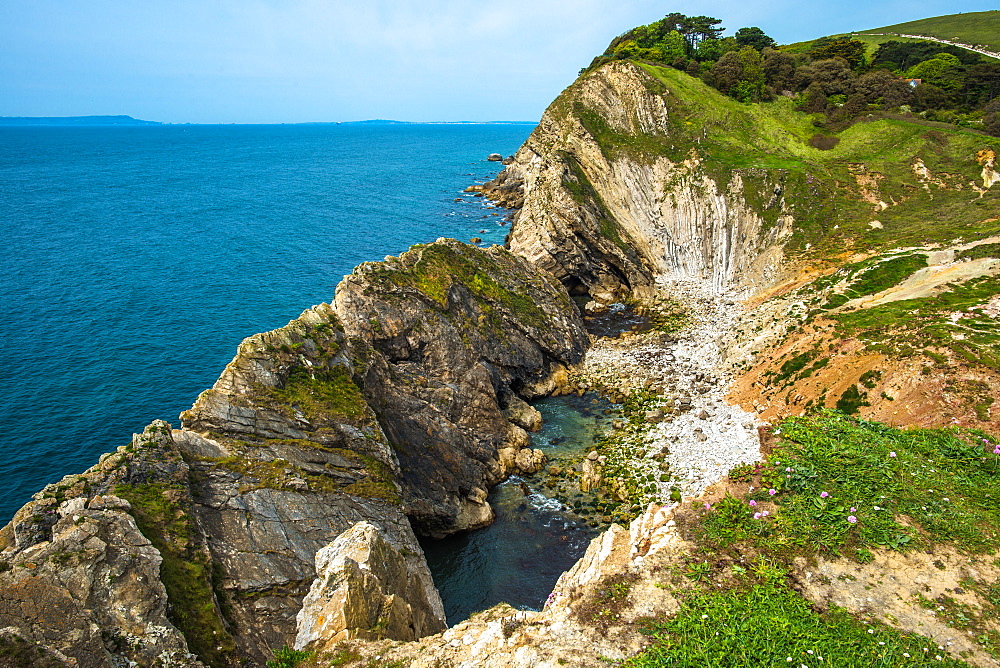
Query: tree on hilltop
(754, 37)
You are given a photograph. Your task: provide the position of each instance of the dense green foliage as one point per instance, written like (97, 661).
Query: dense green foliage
(836, 76)
(763, 623)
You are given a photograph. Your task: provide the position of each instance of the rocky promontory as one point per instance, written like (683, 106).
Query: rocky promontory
(399, 407)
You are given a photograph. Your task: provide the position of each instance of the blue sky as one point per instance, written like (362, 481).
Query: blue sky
(273, 61)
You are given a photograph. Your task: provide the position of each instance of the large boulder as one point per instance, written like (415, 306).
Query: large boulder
(90, 595)
(364, 588)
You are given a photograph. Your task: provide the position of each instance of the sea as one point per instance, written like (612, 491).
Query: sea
(135, 259)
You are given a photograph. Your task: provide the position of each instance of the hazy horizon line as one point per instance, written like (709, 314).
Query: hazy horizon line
(80, 121)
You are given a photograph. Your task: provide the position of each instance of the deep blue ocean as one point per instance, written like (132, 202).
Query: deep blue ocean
(136, 259)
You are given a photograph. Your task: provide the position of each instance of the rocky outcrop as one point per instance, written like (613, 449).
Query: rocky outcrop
(212, 531)
(457, 335)
(612, 194)
(81, 573)
(579, 625)
(365, 589)
(286, 455)
(90, 594)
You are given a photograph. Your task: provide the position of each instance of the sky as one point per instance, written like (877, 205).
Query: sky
(290, 61)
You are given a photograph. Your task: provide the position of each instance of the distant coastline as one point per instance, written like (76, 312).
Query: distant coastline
(75, 121)
(103, 121)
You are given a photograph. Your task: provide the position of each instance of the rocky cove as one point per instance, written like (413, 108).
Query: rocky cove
(285, 508)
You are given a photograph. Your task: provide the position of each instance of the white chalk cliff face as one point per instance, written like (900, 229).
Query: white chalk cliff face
(608, 219)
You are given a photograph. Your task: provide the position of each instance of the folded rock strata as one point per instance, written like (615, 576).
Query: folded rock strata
(607, 218)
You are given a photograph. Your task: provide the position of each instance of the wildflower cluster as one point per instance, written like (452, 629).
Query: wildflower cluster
(841, 483)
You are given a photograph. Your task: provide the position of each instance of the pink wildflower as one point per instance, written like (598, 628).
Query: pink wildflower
(708, 506)
(892, 454)
(823, 495)
(752, 502)
(765, 513)
(756, 516)
(772, 492)
(853, 509)
(852, 519)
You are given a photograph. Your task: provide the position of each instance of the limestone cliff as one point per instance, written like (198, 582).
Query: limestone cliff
(611, 196)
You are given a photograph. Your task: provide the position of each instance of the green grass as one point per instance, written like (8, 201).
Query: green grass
(287, 657)
(833, 486)
(851, 401)
(909, 327)
(185, 571)
(968, 28)
(327, 392)
(767, 147)
(766, 624)
(906, 327)
(884, 275)
(979, 252)
(829, 468)
(436, 269)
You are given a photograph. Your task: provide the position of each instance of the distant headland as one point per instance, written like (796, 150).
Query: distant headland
(76, 121)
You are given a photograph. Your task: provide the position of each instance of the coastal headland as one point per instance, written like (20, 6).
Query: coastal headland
(808, 430)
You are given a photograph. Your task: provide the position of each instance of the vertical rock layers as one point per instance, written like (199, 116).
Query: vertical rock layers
(612, 194)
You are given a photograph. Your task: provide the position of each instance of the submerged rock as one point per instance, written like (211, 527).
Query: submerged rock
(530, 461)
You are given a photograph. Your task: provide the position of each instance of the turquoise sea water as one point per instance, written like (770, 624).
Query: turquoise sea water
(136, 259)
(519, 558)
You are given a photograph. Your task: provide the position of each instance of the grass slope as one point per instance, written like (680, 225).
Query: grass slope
(833, 487)
(972, 28)
(767, 145)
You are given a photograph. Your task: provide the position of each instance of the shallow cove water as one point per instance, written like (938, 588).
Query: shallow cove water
(535, 538)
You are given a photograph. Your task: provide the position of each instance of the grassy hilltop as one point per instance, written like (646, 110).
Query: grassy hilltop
(974, 28)
(980, 29)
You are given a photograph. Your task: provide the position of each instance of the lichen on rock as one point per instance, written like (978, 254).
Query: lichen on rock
(365, 589)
